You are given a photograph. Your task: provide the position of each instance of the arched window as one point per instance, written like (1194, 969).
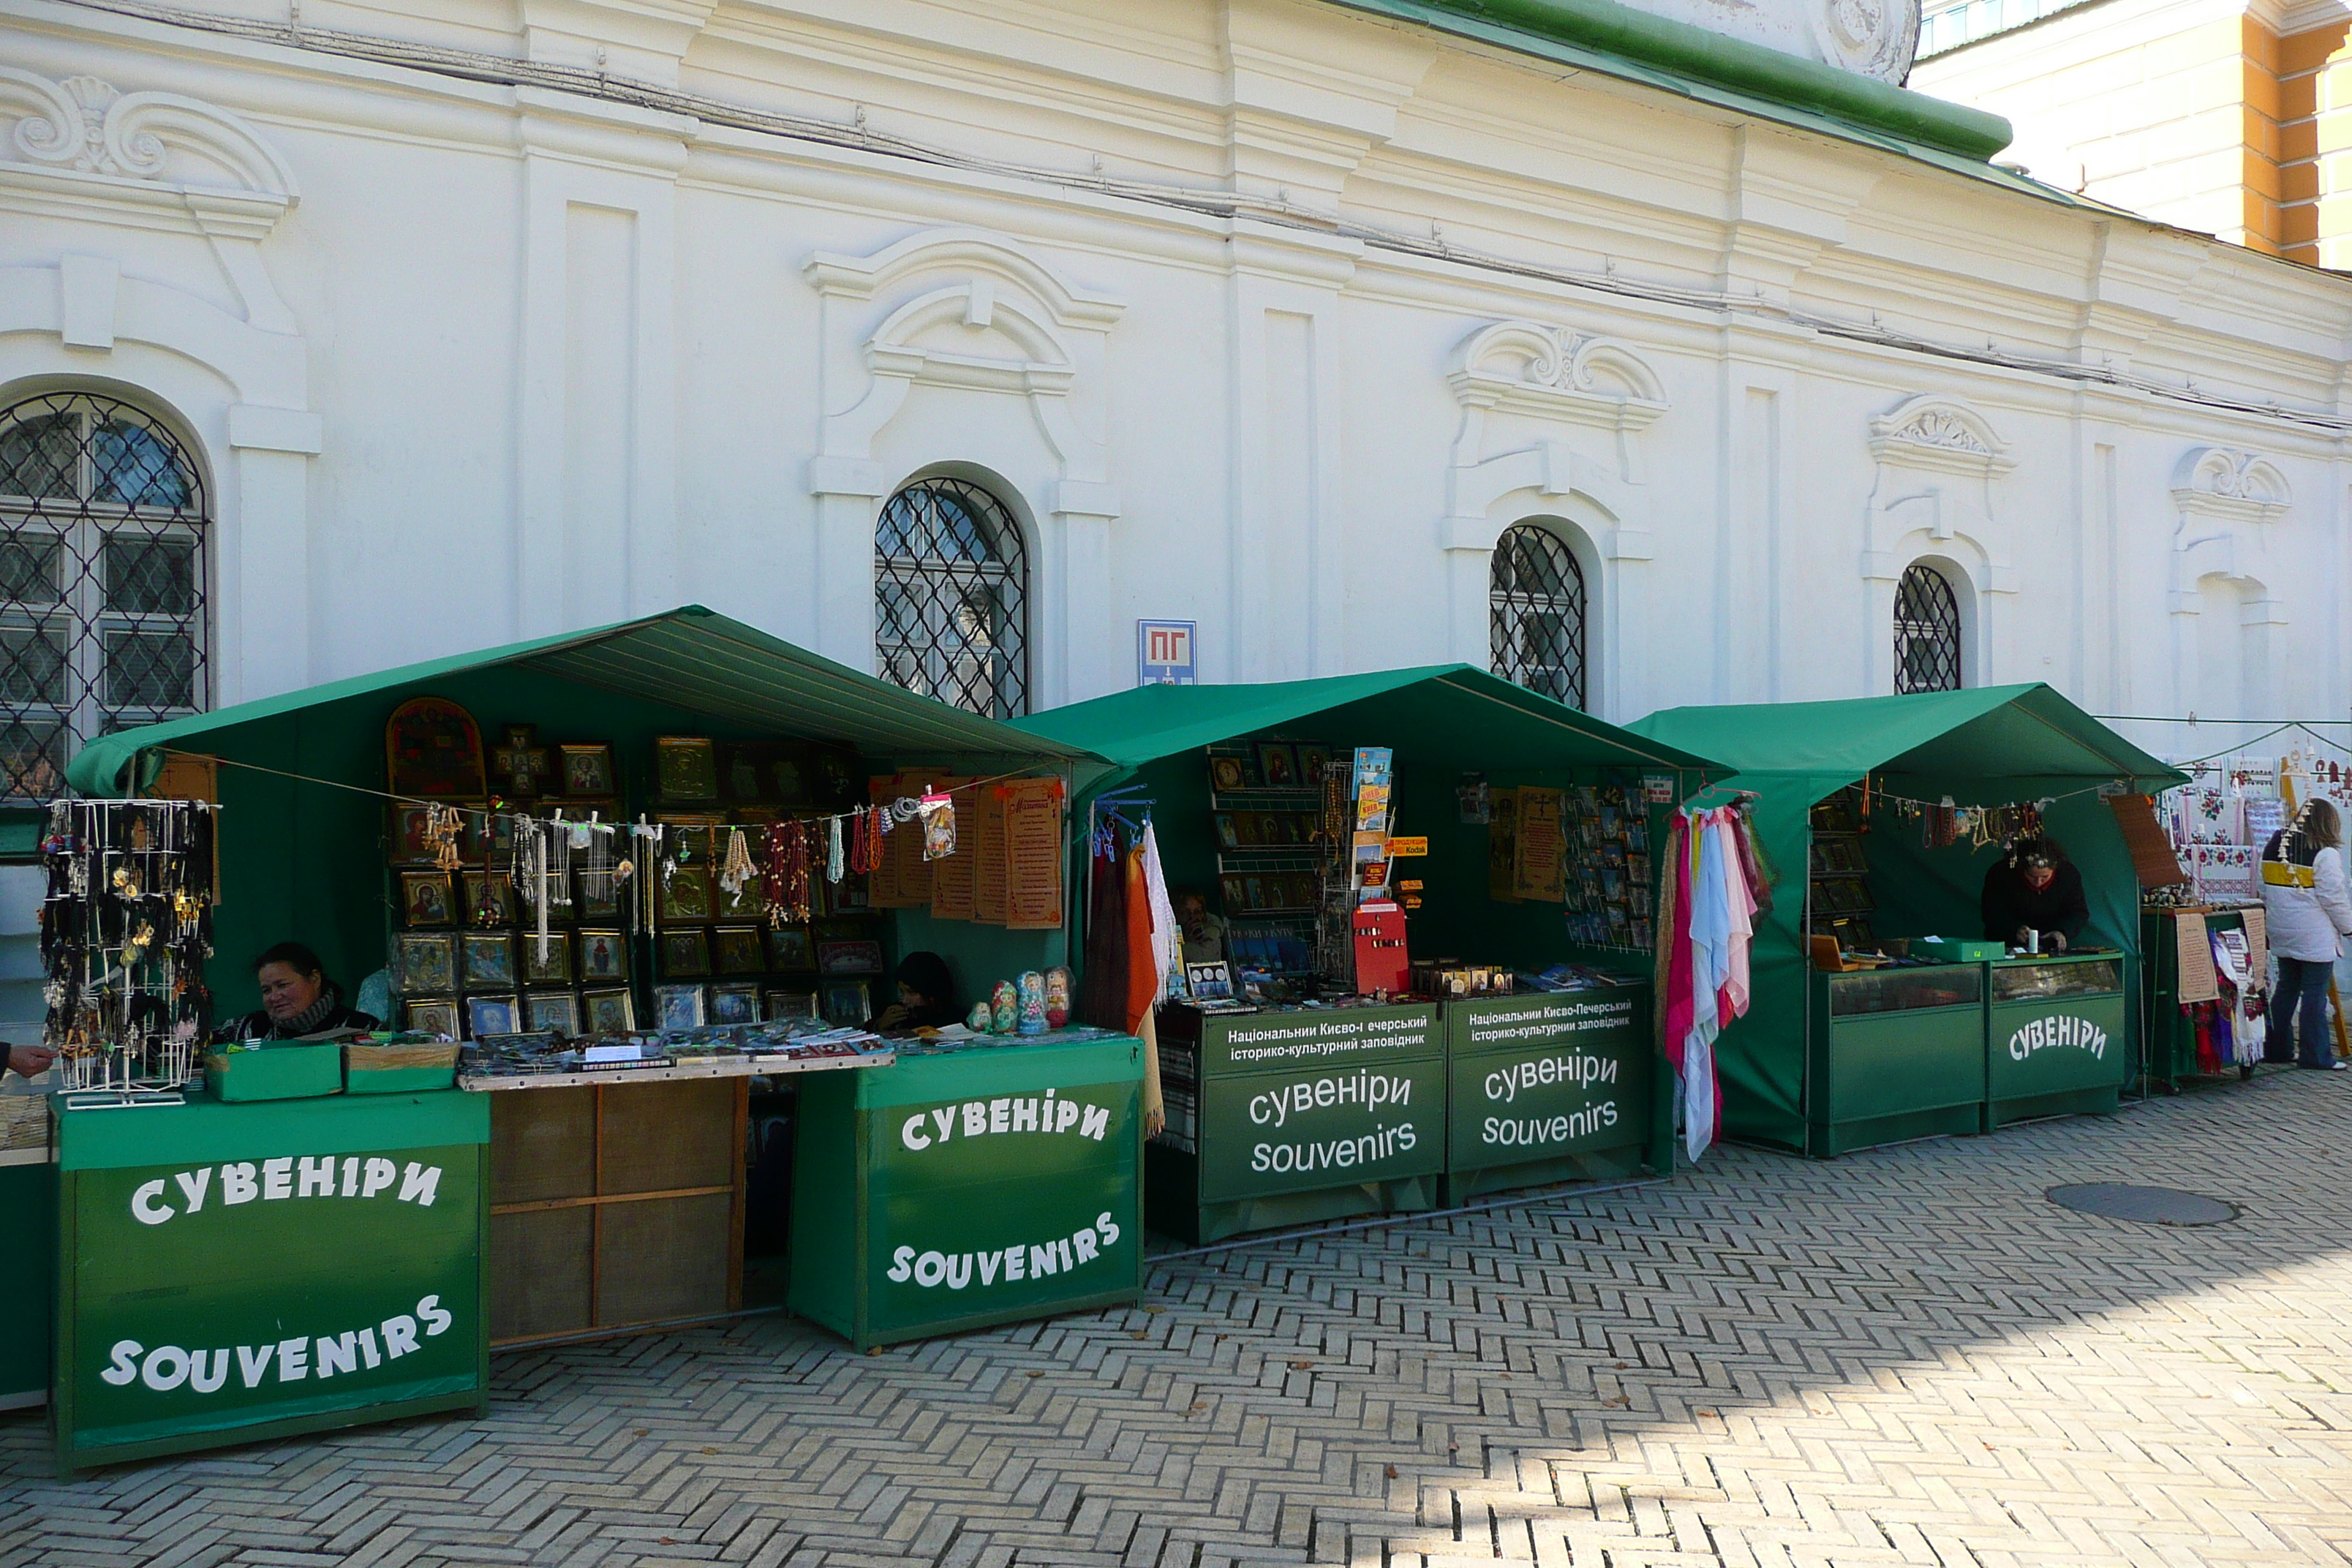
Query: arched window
(1927, 632)
(1536, 628)
(103, 625)
(952, 597)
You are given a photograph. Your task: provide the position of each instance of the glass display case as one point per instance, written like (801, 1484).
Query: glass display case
(1906, 990)
(2049, 981)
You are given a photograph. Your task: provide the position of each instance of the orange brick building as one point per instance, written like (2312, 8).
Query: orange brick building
(2229, 118)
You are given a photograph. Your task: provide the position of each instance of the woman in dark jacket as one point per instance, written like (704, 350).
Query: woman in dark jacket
(297, 999)
(2033, 888)
(926, 995)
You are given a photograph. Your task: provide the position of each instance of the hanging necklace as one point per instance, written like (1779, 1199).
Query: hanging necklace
(834, 857)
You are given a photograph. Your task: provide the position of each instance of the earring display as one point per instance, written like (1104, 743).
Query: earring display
(125, 930)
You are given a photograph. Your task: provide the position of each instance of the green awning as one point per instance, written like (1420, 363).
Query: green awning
(689, 659)
(1996, 734)
(1475, 718)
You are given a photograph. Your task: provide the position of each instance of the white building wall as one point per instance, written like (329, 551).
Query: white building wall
(482, 361)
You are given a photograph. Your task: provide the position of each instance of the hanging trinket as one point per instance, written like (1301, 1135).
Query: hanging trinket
(738, 869)
(835, 862)
(441, 826)
(938, 808)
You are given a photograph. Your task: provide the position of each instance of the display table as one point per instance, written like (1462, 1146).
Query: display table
(232, 1272)
(971, 1184)
(2055, 1038)
(28, 1230)
(1553, 1086)
(1287, 1116)
(1896, 1054)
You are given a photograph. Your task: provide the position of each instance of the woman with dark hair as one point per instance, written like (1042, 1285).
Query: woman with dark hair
(2033, 888)
(2305, 917)
(926, 995)
(297, 999)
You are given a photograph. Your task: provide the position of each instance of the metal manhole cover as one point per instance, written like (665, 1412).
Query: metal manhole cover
(2148, 1205)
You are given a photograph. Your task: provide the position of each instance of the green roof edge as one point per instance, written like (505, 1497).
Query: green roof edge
(1617, 40)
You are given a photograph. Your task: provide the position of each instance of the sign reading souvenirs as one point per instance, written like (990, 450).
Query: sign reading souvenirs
(1549, 1076)
(249, 1289)
(2054, 1037)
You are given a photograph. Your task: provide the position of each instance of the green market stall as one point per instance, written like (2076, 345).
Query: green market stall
(1831, 1061)
(28, 1210)
(615, 1199)
(1319, 1103)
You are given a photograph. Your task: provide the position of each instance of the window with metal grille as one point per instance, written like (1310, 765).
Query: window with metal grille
(103, 582)
(952, 597)
(1536, 626)
(1927, 632)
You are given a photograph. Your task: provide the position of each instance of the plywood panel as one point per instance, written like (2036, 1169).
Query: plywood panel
(666, 1257)
(539, 1270)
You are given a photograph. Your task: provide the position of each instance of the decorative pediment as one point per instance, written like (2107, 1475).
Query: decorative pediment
(83, 148)
(2230, 486)
(1551, 372)
(976, 312)
(1941, 434)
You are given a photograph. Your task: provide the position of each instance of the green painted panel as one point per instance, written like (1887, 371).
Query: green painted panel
(198, 1299)
(205, 1132)
(1332, 1039)
(28, 1226)
(1537, 1078)
(1891, 1064)
(2058, 1045)
(995, 1183)
(1344, 1123)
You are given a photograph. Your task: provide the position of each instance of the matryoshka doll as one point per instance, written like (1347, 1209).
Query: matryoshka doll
(1057, 996)
(1033, 1003)
(1005, 1009)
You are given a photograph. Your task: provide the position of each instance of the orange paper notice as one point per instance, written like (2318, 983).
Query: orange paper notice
(952, 882)
(985, 841)
(1541, 872)
(903, 880)
(1033, 854)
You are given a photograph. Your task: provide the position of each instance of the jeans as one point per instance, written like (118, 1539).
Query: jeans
(2298, 1010)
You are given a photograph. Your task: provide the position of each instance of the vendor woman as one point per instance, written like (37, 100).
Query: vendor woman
(2034, 888)
(926, 995)
(297, 999)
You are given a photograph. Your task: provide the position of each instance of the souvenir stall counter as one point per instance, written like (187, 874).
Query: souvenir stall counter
(28, 1209)
(989, 1180)
(1878, 1015)
(1416, 945)
(648, 879)
(2182, 994)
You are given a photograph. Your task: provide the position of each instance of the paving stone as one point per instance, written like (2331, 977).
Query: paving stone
(1904, 1357)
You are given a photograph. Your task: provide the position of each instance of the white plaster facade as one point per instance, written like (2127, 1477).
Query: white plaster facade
(1261, 313)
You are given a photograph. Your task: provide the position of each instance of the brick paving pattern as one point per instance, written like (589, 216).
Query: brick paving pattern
(1907, 1356)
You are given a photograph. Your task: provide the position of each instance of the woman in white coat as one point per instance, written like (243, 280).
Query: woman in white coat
(2308, 914)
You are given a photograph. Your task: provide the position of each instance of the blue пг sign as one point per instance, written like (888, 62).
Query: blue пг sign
(1163, 652)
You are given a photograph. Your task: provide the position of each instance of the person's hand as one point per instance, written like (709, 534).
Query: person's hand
(2024, 937)
(2053, 941)
(31, 1060)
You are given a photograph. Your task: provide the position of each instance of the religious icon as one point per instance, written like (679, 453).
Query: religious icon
(735, 1003)
(846, 1002)
(685, 894)
(491, 1015)
(556, 1010)
(608, 1012)
(488, 960)
(784, 1004)
(433, 1015)
(587, 770)
(789, 947)
(489, 899)
(604, 955)
(737, 949)
(1279, 761)
(520, 764)
(428, 962)
(686, 768)
(424, 897)
(555, 969)
(849, 957)
(1224, 773)
(685, 953)
(680, 1006)
(434, 749)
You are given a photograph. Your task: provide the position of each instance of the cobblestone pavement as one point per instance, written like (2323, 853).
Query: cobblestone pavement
(1907, 1356)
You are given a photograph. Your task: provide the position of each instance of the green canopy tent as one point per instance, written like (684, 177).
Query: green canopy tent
(1443, 721)
(1989, 746)
(301, 858)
